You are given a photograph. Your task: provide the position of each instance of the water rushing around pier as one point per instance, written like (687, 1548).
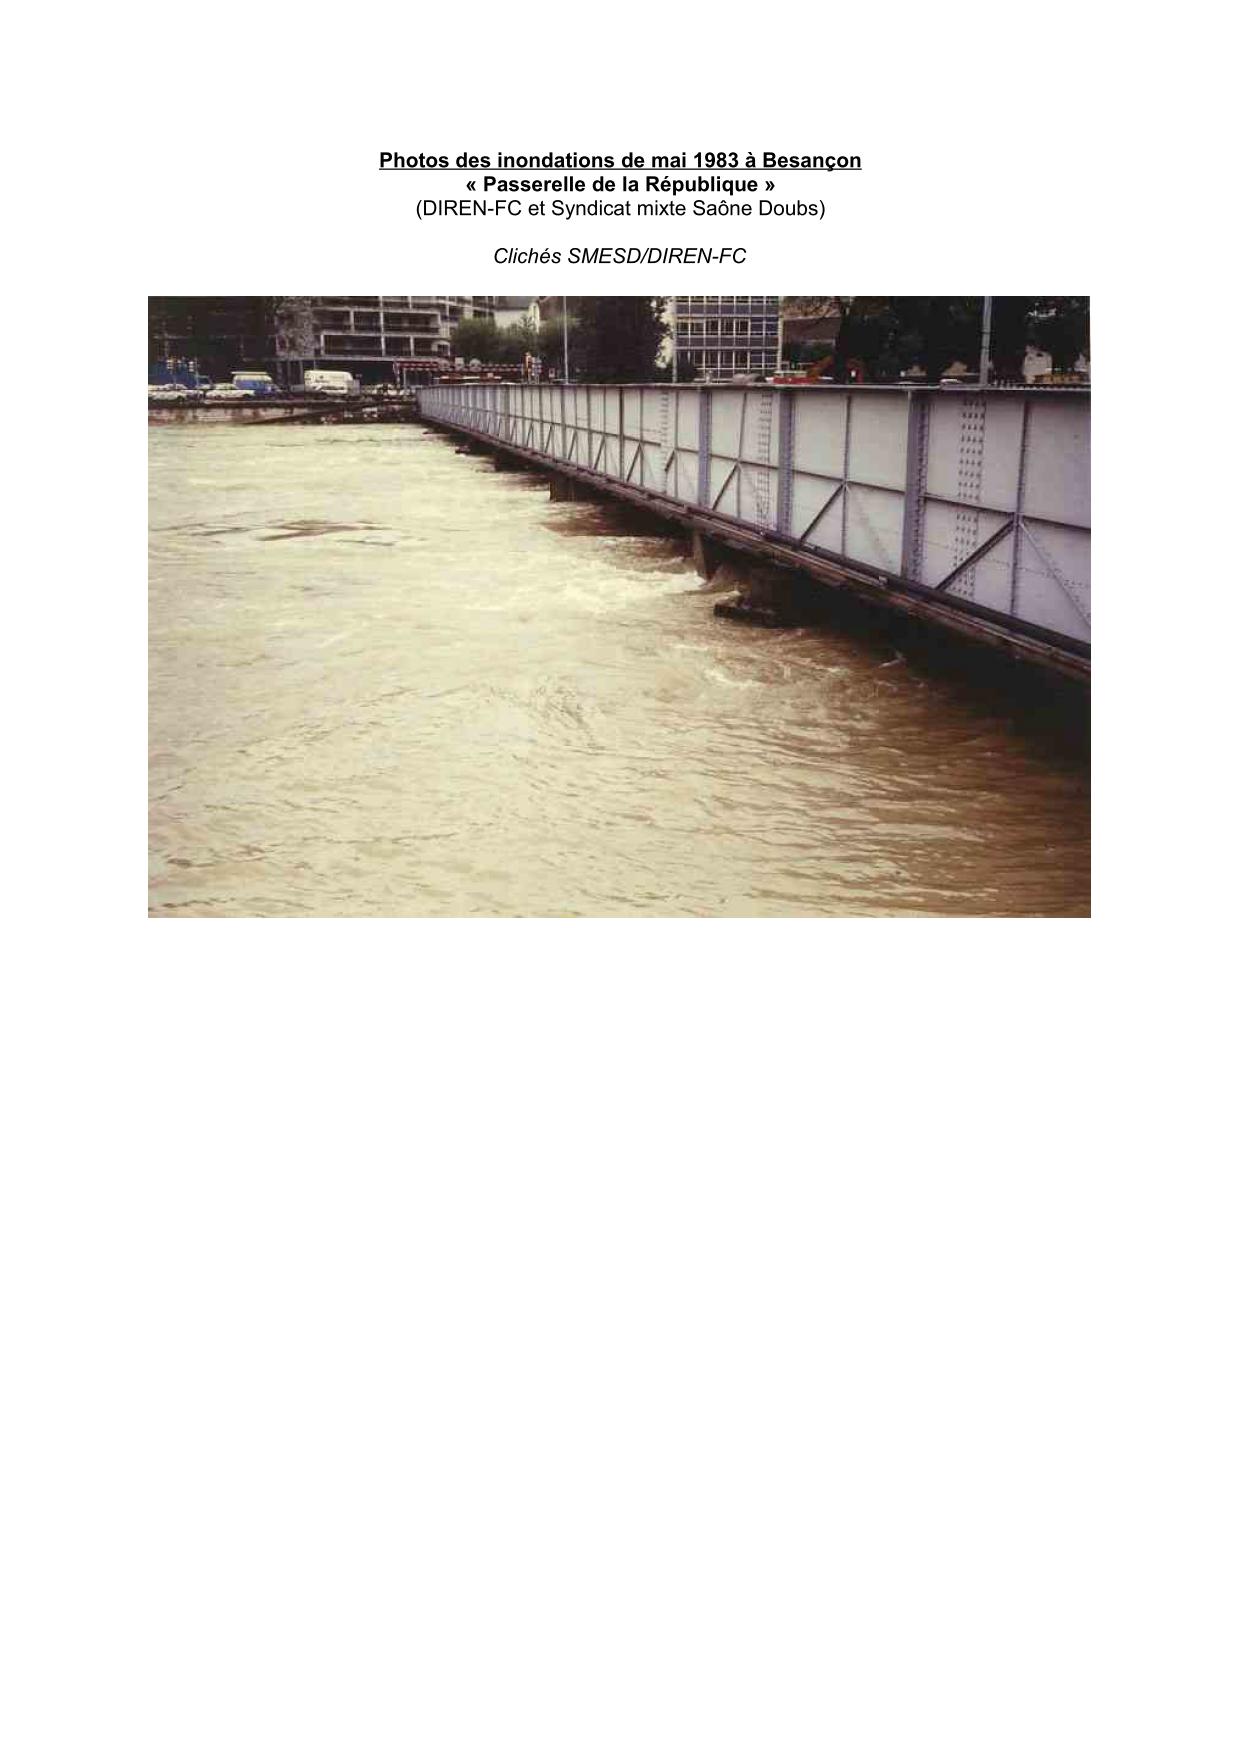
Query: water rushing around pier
(386, 679)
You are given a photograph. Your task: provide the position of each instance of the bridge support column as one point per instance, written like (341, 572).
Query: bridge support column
(773, 597)
(568, 487)
(707, 555)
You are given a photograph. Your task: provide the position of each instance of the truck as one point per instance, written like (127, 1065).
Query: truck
(325, 383)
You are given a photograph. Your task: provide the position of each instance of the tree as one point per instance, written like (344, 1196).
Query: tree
(865, 336)
(843, 340)
(610, 340)
(1061, 326)
(550, 348)
(1009, 335)
(518, 340)
(888, 336)
(621, 338)
(935, 332)
(476, 338)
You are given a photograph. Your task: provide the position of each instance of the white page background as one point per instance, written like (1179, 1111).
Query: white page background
(594, 1336)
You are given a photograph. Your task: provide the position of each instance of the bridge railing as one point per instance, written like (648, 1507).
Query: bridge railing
(984, 496)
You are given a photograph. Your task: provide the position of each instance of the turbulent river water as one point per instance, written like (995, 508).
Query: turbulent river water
(386, 679)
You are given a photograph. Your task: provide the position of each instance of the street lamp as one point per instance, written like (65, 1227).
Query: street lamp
(983, 371)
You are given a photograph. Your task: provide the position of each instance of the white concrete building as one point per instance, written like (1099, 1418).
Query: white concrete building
(371, 335)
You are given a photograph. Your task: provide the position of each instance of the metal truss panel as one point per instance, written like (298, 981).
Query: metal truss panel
(878, 441)
(875, 527)
(818, 512)
(722, 475)
(688, 409)
(955, 449)
(725, 421)
(759, 494)
(989, 581)
(1057, 469)
(820, 433)
(1053, 584)
(944, 549)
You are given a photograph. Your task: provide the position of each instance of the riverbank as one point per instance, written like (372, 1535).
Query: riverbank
(273, 410)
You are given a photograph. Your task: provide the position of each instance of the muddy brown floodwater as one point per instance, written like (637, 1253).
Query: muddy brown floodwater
(387, 679)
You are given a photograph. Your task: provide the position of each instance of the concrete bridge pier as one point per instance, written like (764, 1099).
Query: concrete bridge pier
(773, 597)
(569, 489)
(708, 556)
(769, 595)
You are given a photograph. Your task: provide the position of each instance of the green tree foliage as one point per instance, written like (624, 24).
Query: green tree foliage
(617, 340)
(621, 338)
(520, 339)
(936, 332)
(1061, 326)
(610, 340)
(888, 336)
(477, 338)
(482, 339)
(1009, 335)
(550, 347)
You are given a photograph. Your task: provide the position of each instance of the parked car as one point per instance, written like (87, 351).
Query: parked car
(229, 393)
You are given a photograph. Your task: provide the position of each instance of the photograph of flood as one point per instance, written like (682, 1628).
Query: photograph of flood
(721, 607)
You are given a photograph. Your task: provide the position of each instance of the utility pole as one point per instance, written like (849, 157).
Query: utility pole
(564, 306)
(675, 345)
(983, 375)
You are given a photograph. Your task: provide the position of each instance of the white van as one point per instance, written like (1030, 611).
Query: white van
(331, 384)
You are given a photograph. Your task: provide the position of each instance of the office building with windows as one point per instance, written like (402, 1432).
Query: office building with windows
(734, 335)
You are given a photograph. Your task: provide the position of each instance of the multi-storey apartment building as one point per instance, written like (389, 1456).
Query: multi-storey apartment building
(723, 337)
(371, 335)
